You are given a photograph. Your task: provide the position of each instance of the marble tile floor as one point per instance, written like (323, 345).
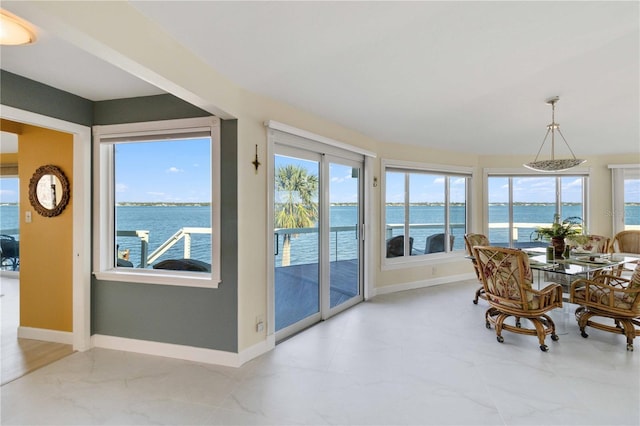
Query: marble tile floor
(420, 357)
(20, 356)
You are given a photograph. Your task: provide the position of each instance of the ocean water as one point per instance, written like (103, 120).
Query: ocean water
(163, 221)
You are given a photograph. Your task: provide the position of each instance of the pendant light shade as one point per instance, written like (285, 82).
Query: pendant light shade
(553, 165)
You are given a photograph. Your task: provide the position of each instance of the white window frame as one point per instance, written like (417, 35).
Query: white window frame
(620, 172)
(585, 172)
(390, 263)
(104, 138)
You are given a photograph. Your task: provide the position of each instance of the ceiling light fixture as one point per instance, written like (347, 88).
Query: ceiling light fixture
(14, 31)
(553, 165)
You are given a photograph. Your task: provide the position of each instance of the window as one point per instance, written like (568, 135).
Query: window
(518, 204)
(157, 204)
(626, 197)
(425, 209)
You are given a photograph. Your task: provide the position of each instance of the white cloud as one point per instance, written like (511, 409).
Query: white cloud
(574, 183)
(121, 187)
(174, 170)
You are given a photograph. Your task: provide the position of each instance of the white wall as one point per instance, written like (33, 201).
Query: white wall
(92, 26)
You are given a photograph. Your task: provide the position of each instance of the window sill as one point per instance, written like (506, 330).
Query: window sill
(422, 261)
(181, 279)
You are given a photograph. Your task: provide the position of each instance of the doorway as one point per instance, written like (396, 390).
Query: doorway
(318, 244)
(80, 252)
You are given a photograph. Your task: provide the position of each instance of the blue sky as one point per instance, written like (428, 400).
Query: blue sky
(179, 171)
(343, 187)
(166, 171)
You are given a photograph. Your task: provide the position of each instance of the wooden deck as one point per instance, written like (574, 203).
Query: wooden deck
(296, 289)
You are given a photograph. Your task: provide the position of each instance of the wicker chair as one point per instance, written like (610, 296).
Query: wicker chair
(471, 240)
(590, 243)
(625, 242)
(507, 280)
(609, 296)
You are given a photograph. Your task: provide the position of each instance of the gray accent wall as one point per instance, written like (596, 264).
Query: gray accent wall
(29, 95)
(146, 108)
(200, 317)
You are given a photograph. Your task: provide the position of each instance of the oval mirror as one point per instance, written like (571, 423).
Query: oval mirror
(49, 191)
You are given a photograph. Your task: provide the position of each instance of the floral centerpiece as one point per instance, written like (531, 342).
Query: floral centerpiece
(558, 231)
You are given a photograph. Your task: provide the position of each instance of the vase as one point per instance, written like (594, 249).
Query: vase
(558, 247)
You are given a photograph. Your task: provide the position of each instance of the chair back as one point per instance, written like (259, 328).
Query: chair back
(435, 243)
(591, 243)
(9, 246)
(471, 240)
(505, 274)
(395, 246)
(633, 297)
(626, 242)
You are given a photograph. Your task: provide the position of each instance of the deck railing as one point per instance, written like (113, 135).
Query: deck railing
(182, 234)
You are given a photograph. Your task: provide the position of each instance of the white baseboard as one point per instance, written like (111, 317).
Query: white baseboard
(10, 274)
(188, 353)
(46, 335)
(423, 283)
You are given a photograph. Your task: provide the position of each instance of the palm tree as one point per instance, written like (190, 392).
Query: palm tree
(296, 192)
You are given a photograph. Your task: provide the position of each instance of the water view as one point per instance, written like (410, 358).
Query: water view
(162, 221)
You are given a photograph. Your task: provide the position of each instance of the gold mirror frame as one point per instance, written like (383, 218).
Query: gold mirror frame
(33, 191)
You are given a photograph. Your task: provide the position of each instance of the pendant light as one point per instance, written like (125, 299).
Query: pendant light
(553, 165)
(14, 31)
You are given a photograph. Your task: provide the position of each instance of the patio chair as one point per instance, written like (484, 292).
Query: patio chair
(471, 240)
(395, 246)
(9, 251)
(609, 297)
(183, 265)
(435, 243)
(507, 280)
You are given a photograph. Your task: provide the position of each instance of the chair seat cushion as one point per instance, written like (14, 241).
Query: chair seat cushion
(533, 302)
(601, 297)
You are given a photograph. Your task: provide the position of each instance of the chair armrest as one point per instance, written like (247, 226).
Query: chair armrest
(549, 295)
(604, 280)
(607, 292)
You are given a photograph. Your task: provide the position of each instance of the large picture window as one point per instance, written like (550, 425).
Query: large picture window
(626, 197)
(158, 203)
(426, 209)
(518, 204)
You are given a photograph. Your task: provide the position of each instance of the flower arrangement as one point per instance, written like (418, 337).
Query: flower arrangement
(568, 227)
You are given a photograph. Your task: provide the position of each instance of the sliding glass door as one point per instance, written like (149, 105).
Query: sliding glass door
(297, 242)
(317, 237)
(344, 234)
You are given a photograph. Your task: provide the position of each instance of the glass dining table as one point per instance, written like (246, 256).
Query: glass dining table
(566, 271)
(577, 266)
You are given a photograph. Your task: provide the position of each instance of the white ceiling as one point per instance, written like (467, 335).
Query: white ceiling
(462, 76)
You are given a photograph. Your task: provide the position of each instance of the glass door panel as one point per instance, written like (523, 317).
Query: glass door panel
(344, 233)
(296, 209)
